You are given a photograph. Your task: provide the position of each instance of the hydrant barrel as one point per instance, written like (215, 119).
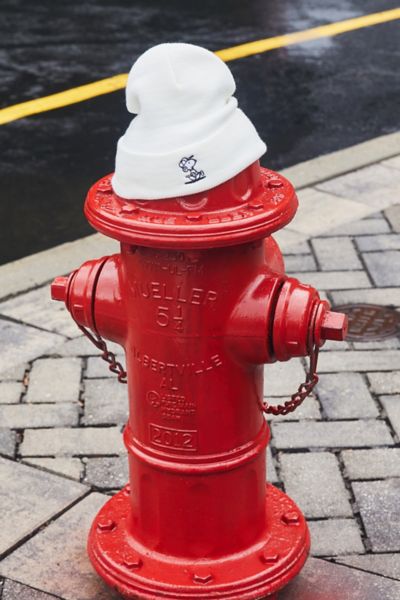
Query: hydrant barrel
(195, 426)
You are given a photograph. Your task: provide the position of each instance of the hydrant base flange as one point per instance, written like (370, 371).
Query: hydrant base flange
(143, 573)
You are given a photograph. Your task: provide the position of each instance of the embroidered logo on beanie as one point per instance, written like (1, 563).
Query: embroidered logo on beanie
(187, 164)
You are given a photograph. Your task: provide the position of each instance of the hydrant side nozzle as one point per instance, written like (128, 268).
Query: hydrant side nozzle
(92, 295)
(334, 326)
(328, 325)
(302, 320)
(248, 327)
(59, 289)
(77, 291)
(297, 310)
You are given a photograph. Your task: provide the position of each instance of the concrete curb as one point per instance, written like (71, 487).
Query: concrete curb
(343, 161)
(37, 269)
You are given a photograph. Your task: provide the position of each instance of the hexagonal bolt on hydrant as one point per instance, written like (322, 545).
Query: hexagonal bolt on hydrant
(199, 300)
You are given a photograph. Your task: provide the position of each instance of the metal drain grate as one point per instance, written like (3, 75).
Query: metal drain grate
(369, 322)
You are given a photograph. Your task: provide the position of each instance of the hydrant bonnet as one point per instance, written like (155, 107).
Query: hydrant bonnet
(188, 135)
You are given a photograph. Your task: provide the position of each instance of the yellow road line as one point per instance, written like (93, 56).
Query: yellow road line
(117, 82)
(315, 33)
(71, 96)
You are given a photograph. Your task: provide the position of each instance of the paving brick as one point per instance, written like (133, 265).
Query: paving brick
(55, 560)
(22, 343)
(369, 360)
(391, 404)
(375, 186)
(394, 162)
(73, 442)
(107, 473)
(16, 591)
(314, 481)
(393, 216)
(387, 565)
(384, 296)
(365, 226)
(71, 467)
(272, 475)
(374, 463)
(81, 346)
(335, 536)
(379, 504)
(37, 308)
(54, 380)
(29, 498)
(331, 434)
(288, 239)
(384, 267)
(14, 373)
(385, 383)
(375, 215)
(336, 253)
(98, 368)
(19, 416)
(334, 280)
(323, 295)
(282, 378)
(300, 248)
(387, 344)
(299, 263)
(10, 392)
(324, 580)
(309, 409)
(346, 396)
(7, 441)
(335, 345)
(106, 402)
(368, 243)
(320, 211)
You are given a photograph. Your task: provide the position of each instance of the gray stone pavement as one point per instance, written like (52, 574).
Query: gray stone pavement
(338, 456)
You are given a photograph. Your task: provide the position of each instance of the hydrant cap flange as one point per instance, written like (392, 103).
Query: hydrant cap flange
(250, 206)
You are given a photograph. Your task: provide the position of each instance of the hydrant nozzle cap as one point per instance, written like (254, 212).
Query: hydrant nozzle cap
(334, 326)
(189, 134)
(59, 289)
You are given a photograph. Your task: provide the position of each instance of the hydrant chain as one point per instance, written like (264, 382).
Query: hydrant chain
(303, 391)
(113, 364)
(63, 287)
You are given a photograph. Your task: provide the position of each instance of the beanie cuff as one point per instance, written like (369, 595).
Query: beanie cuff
(189, 169)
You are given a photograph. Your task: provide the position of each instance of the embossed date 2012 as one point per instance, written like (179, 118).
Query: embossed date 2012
(180, 439)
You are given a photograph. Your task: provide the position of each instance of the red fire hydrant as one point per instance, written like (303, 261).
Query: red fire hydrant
(199, 300)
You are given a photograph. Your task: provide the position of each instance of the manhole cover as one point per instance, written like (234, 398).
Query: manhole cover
(370, 321)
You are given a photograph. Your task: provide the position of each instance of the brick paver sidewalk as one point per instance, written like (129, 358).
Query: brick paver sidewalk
(338, 456)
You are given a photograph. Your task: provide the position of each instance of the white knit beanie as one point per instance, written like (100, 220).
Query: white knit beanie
(188, 135)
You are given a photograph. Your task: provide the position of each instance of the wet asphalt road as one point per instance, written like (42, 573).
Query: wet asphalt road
(305, 100)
